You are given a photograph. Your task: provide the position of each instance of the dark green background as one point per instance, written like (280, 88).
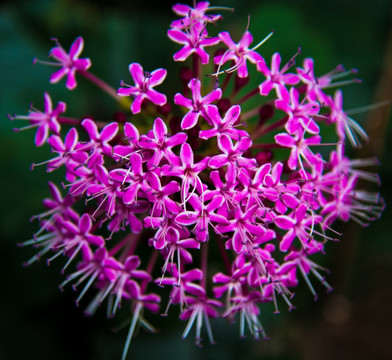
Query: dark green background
(37, 321)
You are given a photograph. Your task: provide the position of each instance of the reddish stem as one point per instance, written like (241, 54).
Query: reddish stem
(266, 146)
(128, 244)
(265, 130)
(225, 256)
(248, 96)
(67, 120)
(196, 65)
(204, 262)
(150, 268)
(226, 81)
(101, 84)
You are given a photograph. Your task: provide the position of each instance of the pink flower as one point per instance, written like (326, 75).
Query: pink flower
(299, 148)
(143, 88)
(239, 53)
(300, 225)
(199, 309)
(69, 62)
(345, 126)
(192, 15)
(197, 105)
(44, 121)
(276, 78)
(194, 41)
(202, 216)
(161, 143)
(232, 154)
(134, 177)
(187, 170)
(226, 125)
(300, 113)
(69, 153)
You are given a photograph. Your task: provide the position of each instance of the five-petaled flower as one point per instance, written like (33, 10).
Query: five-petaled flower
(143, 88)
(69, 62)
(44, 121)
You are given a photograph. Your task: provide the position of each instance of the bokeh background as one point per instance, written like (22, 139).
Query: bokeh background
(38, 322)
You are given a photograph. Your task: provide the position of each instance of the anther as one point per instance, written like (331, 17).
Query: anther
(291, 62)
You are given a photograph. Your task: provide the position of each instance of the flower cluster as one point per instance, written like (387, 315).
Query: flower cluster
(214, 170)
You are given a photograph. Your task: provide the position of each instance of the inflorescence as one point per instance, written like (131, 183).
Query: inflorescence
(223, 165)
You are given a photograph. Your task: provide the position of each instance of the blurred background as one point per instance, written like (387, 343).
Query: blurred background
(40, 322)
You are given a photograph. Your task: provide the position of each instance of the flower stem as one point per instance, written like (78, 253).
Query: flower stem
(204, 261)
(248, 96)
(124, 102)
(225, 256)
(226, 81)
(196, 65)
(265, 146)
(67, 120)
(127, 244)
(101, 84)
(150, 268)
(265, 130)
(135, 319)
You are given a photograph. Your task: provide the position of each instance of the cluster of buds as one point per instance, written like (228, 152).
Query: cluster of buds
(222, 165)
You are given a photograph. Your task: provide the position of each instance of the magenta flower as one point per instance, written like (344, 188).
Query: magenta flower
(239, 53)
(69, 62)
(226, 125)
(345, 126)
(244, 228)
(197, 105)
(247, 307)
(192, 15)
(68, 153)
(160, 195)
(161, 143)
(300, 225)
(299, 260)
(58, 206)
(202, 216)
(176, 245)
(122, 152)
(79, 238)
(225, 189)
(194, 42)
(187, 170)
(106, 189)
(44, 121)
(134, 177)
(300, 114)
(143, 88)
(199, 309)
(232, 154)
(348, 204)
(99, 141)
(92, 267)
(123, 284)
(178, 295)
(299, 148)
(126, 216)
(314, 84)
(275, 77)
